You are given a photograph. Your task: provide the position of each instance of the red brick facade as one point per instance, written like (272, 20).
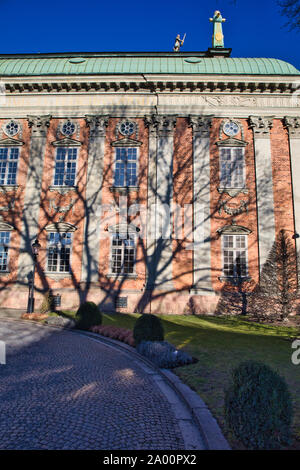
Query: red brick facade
(178, 300)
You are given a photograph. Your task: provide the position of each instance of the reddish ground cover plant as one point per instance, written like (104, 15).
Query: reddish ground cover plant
(34, 316)
(115, 332)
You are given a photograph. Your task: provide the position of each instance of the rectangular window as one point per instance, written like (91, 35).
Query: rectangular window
(65, 167)
(232, 165)
(123, 253)
(126, 166)
(235, 255)
(9, 157)
(4, 245)
(59, 252)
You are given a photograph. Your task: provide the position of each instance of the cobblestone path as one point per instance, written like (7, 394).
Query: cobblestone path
(60, 390)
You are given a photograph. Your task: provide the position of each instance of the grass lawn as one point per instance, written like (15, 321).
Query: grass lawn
(221, 343)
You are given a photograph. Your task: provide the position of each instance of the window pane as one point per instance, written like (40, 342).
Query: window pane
(52, 258)
(234, 255)
(8, 165)
(65, 167)
(232, 167)
(126, 167)
(120, 174)
(4, 245)
(59, 251)
(123, 253)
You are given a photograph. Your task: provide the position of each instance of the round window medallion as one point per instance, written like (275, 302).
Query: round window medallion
(231, 128)
(68, 128)
(11, 128)
(127, 127)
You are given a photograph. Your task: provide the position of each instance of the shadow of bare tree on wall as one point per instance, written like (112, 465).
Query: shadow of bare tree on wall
(165, 265)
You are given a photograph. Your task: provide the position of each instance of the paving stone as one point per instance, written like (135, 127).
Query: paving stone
(60, 390)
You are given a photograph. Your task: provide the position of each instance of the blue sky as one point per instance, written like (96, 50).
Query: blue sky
(252, 28)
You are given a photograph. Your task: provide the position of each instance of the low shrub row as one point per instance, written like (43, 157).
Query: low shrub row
(115, 332)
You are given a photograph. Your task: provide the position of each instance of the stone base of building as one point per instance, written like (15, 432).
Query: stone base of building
(157, 302)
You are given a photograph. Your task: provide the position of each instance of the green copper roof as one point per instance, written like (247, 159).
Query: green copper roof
(138, 63)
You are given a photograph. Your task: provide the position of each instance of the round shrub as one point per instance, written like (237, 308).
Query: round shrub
(148, 328)
(88, 315)
(258, 407)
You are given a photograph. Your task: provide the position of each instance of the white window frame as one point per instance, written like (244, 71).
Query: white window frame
(223, 183)
(127, 234)
(67, 148)
(8, 250)
(137, 167)
(235, 249)
(59, 253)
(9, 151)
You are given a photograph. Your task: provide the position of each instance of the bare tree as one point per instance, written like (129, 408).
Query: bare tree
(291, 10)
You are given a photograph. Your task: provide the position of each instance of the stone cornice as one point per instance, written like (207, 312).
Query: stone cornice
(60, 227)
(5, 226)
(9, 142)
(66, 142)
(233, 228)
(168, 84)
(231, 142)
(126, 142)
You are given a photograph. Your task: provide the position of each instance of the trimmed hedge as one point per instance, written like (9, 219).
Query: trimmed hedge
(258, 407)
(148, 328)
(88, 315)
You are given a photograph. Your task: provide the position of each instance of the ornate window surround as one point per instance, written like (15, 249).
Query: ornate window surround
(64, 122)
(237, 121)
(123, 121)
(16, 122)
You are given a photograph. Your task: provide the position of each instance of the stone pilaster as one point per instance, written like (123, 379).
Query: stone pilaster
(32, 201)
(201, 208)
(293, 126)
(264, 185)
(160, 193)
(151, 200)
(91, 241)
